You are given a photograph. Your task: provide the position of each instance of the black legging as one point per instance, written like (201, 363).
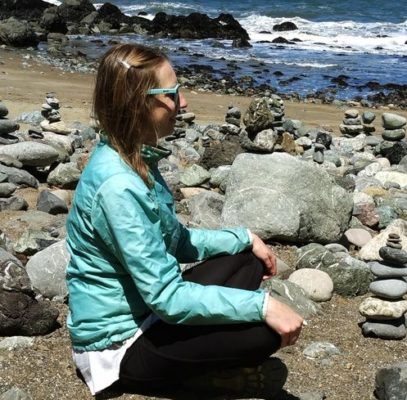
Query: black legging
(166, 354)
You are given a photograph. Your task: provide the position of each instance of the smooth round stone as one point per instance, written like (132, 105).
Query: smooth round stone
(8, 126)
(336, 248)
(389, 288)
(394, 245)
(386, 271)
(358, 237)
(368, 117)
(352, 113)
(393, 121)
(394, 135)
(392, 329)
(3, 109)
(382, 309)
(317, 284)
(7, 189)
(394, 256)
(394, 236)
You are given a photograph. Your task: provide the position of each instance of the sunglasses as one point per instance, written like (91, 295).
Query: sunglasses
(173, 92)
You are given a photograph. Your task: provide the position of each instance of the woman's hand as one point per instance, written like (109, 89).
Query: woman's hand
(264, 254)
(285, 321)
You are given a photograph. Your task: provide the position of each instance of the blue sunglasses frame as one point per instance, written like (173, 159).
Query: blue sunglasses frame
(174, 91)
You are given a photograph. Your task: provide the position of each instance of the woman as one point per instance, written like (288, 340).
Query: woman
(135, 320)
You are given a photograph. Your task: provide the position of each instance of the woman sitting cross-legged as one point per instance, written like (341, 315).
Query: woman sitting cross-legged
(136, 321)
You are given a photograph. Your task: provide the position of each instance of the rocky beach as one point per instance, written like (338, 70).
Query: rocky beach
(323, 181)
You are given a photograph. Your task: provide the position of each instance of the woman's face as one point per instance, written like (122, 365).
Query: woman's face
(165, 109)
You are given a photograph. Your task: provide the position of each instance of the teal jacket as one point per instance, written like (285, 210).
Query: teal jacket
(126, 244)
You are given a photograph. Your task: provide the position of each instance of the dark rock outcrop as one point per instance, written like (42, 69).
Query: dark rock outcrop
(17, 33)
(23, 9)
(285, 26)
(197, 26)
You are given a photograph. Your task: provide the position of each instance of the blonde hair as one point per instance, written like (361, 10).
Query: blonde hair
(121, 103)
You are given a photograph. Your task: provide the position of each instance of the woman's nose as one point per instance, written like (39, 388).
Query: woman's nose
(182, 101)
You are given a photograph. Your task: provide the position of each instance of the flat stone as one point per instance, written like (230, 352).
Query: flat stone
(19, 176)
(394, 135)
(386, 271)
(382, 309)
(317, 284)
(391, 329)
(394, 256)
(320, 350)
(358, 237)
(394, 236)
(389, 288)
(58, 127)
(352, 113)
(8, 126)
(16, 343)
(31, 153)
(394, 245)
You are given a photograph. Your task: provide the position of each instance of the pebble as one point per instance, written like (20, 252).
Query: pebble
(382, 309)
(358, 237)
(320, 350)
(394, 245)
(16, 342)
(394, 256)
(386, 271)
(389, 288)
(390, 329)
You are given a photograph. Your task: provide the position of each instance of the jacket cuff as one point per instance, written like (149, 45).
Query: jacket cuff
(265, 305)
(249, 233)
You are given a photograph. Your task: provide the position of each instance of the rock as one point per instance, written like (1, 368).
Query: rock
(366, 214)
(352, 113)
(393, 256)
(32, 118)
(389, 288)
(394, 135)
(194, 176)
(297, 200)
(19, 176)
(221, 153)
(358, 237)
(266, 140)
(392, 176)
(349, 145)
(15, 394)
(17, 33)
(32, 241)
(14, 203)
(58, 127)
(368, 117)
(259, 115)
(390, 329)
(16, 343)
(3, 110)
(219, 176)
(374, 308)
(285, 26)
(393, 151)
(317, 284)
(64, 176)
(206, 209)
(7, 189)
(13, 276)
(47, 270)
(391, 382)
(190, 192)
(9, 161)
(31, 153)
(75, 10)
(292, 295)
(336, 248)
(8, 126)
(393, 121)
(350, 277)
(382, 270)
(320, 350)
(312, 396)
(187, 117)
(49, 203)
(370, 251)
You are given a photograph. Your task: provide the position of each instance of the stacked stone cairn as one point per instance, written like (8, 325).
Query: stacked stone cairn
(385, 312)
(50, 111)
(367, 118)
(7, 127)
(352, 123)
(394, 127)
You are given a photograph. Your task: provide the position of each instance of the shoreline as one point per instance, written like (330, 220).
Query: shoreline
(24, 81)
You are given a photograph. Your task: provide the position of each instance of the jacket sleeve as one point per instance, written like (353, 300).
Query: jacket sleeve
(127, 220)
(198, 244)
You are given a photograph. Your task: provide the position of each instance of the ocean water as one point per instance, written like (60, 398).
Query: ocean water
(365, 40)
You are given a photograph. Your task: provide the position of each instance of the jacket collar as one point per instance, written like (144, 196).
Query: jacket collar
(151, 155)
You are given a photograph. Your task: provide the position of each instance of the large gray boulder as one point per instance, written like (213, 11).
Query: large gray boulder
(281, 197)
(31, 153)
(47, 270)
(391, 382)
(205, 209)
(17, 33)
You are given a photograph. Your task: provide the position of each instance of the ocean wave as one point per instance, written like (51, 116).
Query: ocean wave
(55, 2)
(344, 36)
